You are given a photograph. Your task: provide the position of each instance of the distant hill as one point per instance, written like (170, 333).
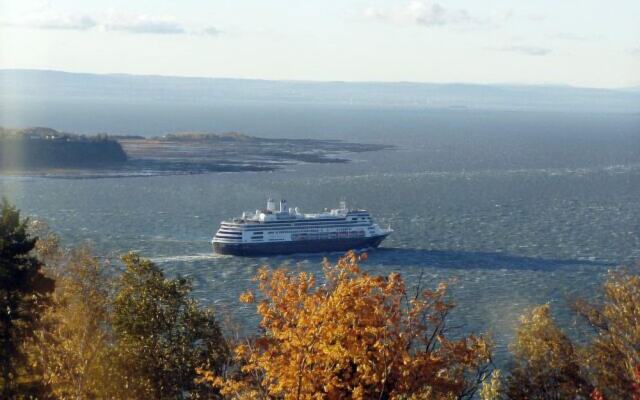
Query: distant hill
(40, 85)
(47, 148)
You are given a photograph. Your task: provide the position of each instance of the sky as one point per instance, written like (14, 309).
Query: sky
(589, 43)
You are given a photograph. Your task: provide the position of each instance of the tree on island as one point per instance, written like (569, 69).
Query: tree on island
(24, 295)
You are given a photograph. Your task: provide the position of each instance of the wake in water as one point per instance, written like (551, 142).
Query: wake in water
(189, 258)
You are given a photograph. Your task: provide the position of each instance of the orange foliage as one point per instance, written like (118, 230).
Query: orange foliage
(596, 394)
(355, 336)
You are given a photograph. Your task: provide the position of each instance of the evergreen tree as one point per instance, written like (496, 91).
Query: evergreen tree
(24, 294)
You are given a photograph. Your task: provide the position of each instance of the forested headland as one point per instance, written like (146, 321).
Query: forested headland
(47, 148)
(77, 326)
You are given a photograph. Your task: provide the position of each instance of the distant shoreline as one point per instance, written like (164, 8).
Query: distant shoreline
(38, 85)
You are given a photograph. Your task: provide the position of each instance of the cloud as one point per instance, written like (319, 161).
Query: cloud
(575, 37)
(423, 13)
(142, 24)
(53, 21)
(527, 50)
(212, 30)
(534, 17)
(509, 15)
(429, 13)
(108, 22)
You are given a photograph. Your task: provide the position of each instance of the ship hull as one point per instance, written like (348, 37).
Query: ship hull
(297, 246)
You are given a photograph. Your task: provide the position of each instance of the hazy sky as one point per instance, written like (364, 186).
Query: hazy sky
(579, 42)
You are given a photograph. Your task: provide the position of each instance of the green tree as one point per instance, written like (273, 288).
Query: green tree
(161, 334)
(24, 295)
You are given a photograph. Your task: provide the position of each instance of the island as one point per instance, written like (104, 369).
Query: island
(46, 151)
(36, 148)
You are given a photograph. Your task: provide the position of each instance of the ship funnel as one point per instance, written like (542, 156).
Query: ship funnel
(283, 205)
(271, 205)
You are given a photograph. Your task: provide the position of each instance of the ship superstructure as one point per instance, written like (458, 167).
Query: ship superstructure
(287, 230)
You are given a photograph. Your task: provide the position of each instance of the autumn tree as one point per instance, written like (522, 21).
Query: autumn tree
(48, 248)
(612, 359)
(161, 334)
(120, 335)
(493, 389)
(24, 295)
(355, 336)
(546, 364)
(605, 366)
(72, 346)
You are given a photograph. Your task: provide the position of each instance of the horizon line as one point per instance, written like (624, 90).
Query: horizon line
(450, 83)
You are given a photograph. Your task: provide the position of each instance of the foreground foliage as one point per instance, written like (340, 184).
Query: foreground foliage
(139, 337)
(612, 360)
(548, 365)
(72, 347)
(24, 295)
(132, 333)
(546, 362)
(356, 336)
(161, 334)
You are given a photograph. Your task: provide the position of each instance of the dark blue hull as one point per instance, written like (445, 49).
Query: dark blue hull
(298, 246)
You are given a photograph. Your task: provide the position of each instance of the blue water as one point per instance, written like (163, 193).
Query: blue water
(516, 209)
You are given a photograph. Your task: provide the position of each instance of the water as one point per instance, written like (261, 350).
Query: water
(517, 209)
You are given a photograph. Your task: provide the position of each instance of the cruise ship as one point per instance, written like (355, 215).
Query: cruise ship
(287, 230)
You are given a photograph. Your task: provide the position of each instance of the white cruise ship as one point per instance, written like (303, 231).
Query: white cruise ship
(287, 230)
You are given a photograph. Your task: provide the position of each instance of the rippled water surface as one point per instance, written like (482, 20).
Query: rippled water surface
(517, 212)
